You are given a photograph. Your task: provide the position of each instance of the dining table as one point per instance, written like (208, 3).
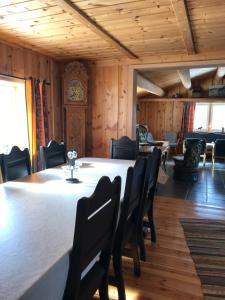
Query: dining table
(37, 220)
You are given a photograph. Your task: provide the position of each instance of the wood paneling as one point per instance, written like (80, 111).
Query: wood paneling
(15, 61)
(182, 15)
(207, 18)
(45, 25)
(110, 108)
(144, 27)
(160, 116)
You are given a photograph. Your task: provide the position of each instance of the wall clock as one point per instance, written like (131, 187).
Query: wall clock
(75, 90)
(75, 83)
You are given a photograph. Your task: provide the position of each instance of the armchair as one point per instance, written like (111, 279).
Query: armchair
(188, 141)
(186, 167)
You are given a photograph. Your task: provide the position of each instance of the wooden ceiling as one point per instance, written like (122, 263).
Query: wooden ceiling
(98, 29)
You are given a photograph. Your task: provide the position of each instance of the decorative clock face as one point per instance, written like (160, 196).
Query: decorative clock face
(75, 91)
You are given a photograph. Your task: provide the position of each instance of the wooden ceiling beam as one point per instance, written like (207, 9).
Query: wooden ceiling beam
(181, 13)
(220, 72)
(185, 78)
(150, 87)
(74, 10)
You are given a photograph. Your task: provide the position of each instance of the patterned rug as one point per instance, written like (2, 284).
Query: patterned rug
(206, 241)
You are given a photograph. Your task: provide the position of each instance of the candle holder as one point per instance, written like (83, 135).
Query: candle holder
(72, 155)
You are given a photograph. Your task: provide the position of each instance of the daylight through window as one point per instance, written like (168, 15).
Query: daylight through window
(13, 115)
(209, 117)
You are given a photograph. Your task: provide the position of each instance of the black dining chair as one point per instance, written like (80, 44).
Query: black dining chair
(16, 164)
(129, 225)
(96, 219)
(151, 177)
(219, 150)
(124, 148)
(53, 155)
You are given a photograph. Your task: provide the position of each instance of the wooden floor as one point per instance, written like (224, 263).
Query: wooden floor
(169, 272)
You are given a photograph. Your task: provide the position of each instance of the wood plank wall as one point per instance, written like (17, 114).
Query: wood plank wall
(108, 95)
(20, 62)
(160, 116)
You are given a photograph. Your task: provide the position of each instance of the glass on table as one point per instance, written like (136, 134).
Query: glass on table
(69, 171)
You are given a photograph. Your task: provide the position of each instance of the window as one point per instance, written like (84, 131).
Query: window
(13, 115)
(201, 116)
(218, 116)
(209, 116)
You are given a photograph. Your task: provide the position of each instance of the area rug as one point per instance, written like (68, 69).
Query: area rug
(206, 241)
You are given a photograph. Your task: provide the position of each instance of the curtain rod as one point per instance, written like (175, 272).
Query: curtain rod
(21, 78)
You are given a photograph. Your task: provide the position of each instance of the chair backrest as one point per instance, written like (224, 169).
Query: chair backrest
(131, 205)
(189, 141)
(124, 210)
(142, 133)
(151, 177)
(16, 164)
(170, 136)
(192, 154)
(124, 148)
(150, 137)
(53, 155)
(137, 184)
(220, 147)
(96, 219)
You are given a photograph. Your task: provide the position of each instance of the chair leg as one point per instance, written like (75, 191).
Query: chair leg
(142, 246)
(103, 289)
(153, 233)
(117, 265)
(136, 260)
(152, 227)
(204, 159)
(213, 157)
